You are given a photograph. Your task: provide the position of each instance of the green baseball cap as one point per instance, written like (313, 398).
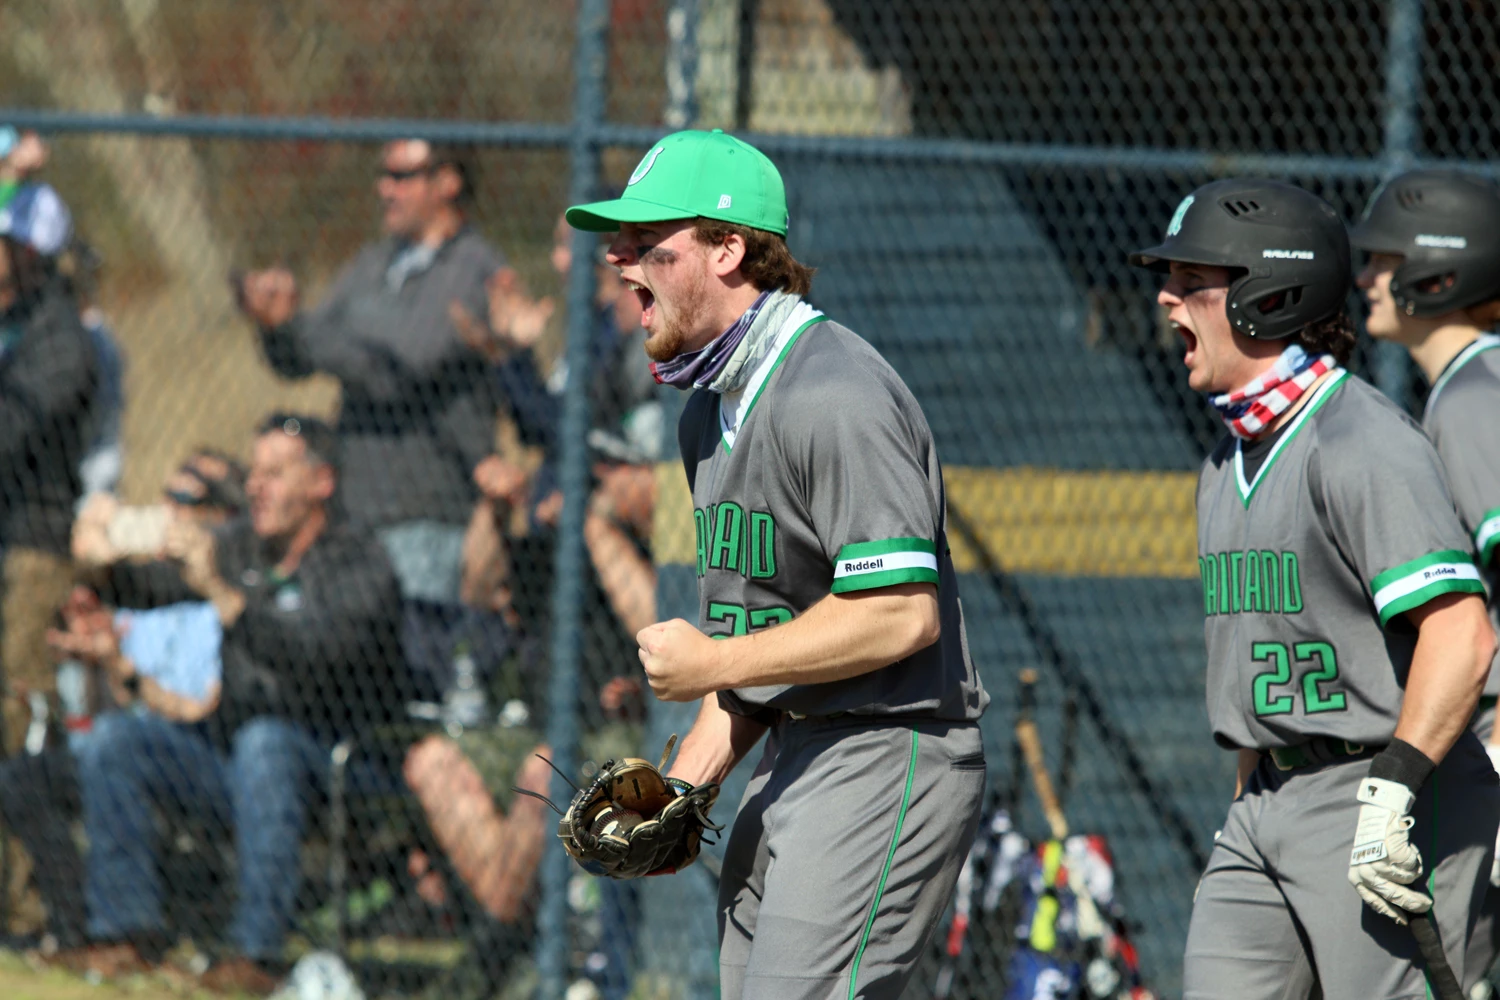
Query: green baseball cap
(691, 174)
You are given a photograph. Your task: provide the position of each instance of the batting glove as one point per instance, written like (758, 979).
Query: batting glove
(1384, 860)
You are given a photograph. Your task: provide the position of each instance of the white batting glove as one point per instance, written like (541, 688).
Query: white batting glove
(1494, 752)
(1385, 861)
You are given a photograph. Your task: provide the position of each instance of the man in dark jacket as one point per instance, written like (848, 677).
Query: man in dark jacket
(418, 409)
(310, 610)
(47, 384)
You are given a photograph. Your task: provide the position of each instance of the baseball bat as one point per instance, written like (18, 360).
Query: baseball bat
(1047, 644)
(1445, 985)
(1030, 739)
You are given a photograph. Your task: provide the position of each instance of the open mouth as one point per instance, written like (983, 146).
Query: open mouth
(1190, 342)
(648, 302)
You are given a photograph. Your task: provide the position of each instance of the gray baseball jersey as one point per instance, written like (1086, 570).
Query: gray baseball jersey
(1308, 568)
(821, 477)
(1460, 419)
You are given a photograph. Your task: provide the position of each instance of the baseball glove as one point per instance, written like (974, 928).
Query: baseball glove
(632, 821)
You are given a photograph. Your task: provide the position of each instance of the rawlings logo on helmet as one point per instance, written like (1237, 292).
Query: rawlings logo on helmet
(1442, 242)
(1288, 254)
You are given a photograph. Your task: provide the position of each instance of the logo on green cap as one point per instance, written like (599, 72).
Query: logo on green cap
(644, 167)
(1175, 226)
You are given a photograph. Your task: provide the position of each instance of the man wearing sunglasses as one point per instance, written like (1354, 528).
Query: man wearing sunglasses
(418, 412)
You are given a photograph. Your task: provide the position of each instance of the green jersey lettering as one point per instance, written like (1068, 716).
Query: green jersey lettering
(1253, 599)
(729, 538)
(1291, 585)
(1257, 581)
(1270, 565)
(700, 529)
(1210, 595)
(1235, 559)
(762, 545)
(1224, 586)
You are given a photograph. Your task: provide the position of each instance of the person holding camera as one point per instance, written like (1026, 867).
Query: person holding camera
(310, 612)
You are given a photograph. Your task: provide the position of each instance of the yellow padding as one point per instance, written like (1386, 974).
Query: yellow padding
(1046, 521)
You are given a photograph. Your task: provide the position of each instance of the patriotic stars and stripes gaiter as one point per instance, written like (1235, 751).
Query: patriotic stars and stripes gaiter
(1251, 409)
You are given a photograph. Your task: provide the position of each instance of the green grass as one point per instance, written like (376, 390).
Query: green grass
(26, 979)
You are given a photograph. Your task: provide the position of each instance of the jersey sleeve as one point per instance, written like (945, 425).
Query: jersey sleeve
(1469, 443)
(865, 470)
(1393, 517)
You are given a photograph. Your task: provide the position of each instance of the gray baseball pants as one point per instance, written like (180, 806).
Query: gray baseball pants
(844, 856)
(1275, 912)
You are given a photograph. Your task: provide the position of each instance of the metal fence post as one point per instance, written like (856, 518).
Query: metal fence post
(744, 64)
(590, 57)
(682, 64)
(1403, 91)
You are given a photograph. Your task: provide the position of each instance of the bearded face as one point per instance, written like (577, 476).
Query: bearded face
(667, 269)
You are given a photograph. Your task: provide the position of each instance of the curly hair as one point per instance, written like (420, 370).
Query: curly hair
(1335, 335)
(768, 264)
(1486, 315)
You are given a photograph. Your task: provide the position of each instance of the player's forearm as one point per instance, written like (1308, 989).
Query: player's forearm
(1455, 645)
(841, 636)
(716, 743)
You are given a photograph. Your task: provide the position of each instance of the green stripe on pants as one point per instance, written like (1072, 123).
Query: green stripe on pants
(890, 857)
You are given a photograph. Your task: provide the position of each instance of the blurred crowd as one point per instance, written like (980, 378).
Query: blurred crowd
(329, 644)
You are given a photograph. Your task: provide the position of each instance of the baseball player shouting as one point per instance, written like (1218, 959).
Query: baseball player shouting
(1347, 637)
(824, 576)
(1432, 281)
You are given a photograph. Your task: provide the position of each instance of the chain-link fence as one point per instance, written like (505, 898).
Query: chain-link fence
(313, 537)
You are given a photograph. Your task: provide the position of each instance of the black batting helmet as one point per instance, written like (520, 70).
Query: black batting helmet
(1446, 225)
(1290, 245)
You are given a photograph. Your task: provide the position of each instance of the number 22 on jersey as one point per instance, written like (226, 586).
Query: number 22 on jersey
(1315, 663)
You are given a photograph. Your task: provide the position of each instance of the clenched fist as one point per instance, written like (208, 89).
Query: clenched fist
(682, 664)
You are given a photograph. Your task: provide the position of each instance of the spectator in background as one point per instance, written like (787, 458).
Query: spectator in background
(173, 654)
(510, 533)
(617, 531)
(48, 381)
(418, 411)
(310, 611)
(626, 419)
(511, 543)
(104, 457)
(472, 790)
(175, 645)
(22, 153)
